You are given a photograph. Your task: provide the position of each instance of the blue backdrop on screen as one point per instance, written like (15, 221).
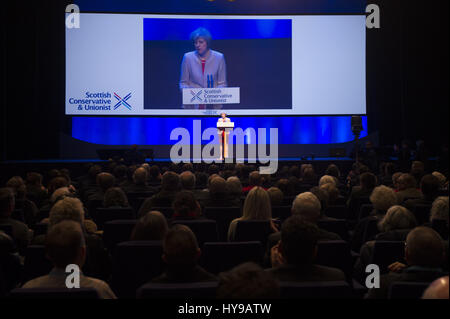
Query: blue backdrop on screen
(247, 45)
(156, 131)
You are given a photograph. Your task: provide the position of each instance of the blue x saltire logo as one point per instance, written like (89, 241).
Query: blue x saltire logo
(196, 96)
(122, 101)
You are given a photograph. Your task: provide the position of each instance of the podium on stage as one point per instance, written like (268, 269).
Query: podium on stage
(224, 129)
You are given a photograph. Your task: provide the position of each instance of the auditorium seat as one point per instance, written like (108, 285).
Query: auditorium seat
(335, 253)
(204, 229)
(134, 264)
(407, 290)
(54, 293)
(281, 212)
(117, 231)
(253, 230)
(222, 256)
(316, 290)
(365, 210)
(40, 229)
(204, 290)
(370, 230)
(440, 226)
(386, 253)
(36, 263)
(336, 211)
(338, 226)
(103, 215)
(422, 213)
(223, 217)
(137, 198)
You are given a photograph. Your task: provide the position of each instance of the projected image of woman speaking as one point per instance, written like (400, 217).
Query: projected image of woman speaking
(203, 68)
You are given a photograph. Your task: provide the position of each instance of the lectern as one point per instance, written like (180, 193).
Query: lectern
(224, 130)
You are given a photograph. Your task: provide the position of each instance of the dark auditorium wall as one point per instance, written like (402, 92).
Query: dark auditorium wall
(407, 75)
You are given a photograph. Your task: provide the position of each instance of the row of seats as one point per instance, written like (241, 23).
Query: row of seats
(207, 290)
(137, 262)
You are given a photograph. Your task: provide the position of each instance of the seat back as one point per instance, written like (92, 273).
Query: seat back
(223, 217)
(54, 293)
(281, 212)
(335, 253)
(206, 290)
(336, 211)
(365, 210)
(40, 229)
(134, 264)
(407, 290)
(222, 256)
(253, 230)
(338, 226)
(440, 226)
(204, 229)
(370, 230)
(36, 263)
(103, 215)
(316, 290)
(137, 198)
(422, 213)
(166, 211)
(117, 231)
(386, 253)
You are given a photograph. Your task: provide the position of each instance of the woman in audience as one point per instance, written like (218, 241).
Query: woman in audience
(382, 198)
(276, 196)
(151, 226)
(234, 187)
(256, 207)
(394, 226)
(115, 197)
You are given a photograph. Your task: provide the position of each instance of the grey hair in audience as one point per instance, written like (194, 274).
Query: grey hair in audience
(397, 217)
(440, 209)
(66, 209)
(383, 198)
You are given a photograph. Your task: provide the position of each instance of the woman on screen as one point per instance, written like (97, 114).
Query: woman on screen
(203, 68)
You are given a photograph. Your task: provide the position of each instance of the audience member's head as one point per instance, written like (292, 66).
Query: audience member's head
(440, 209)
(187, 180)
(254, 179)
(389, 169)
(7, 202)
(307, 206)
(285, 186)
(276, 196)
(59, 194)
(151, 226)
(424, 247)
(234, 186)
(180, 248)
(397, 217)
(247, 281)
(17, 184)
(105, 181)
(327, 179)
(298, 244)
(322, 196)
(65, 244)
(115, 197)
(441, 178)
(395, 178)
(120, 172)
(140, 176)
(34, 179)
(56, 183)
(383, 198)
(417, 170)
(67, 208)
(257, 205)
(170, 181)
(218, 188)
(438, 289)
(406, 181)
(367, 181)
(154, 172)
(185, 205)
(429, 185)
(332, 191)
(333, 170)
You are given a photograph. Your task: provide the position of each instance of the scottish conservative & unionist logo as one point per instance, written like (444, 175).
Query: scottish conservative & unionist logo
(101, 101)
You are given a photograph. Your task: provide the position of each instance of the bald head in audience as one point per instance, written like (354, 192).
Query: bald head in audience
(187, 180)
(424, 247)
(438, 289)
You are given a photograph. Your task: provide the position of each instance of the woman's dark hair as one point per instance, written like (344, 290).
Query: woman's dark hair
(115, 197)
(185, 205)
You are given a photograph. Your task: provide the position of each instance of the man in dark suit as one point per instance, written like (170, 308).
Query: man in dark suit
(293, 257)
(424, 255)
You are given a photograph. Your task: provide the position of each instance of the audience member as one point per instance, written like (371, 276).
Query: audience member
(151, 226)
